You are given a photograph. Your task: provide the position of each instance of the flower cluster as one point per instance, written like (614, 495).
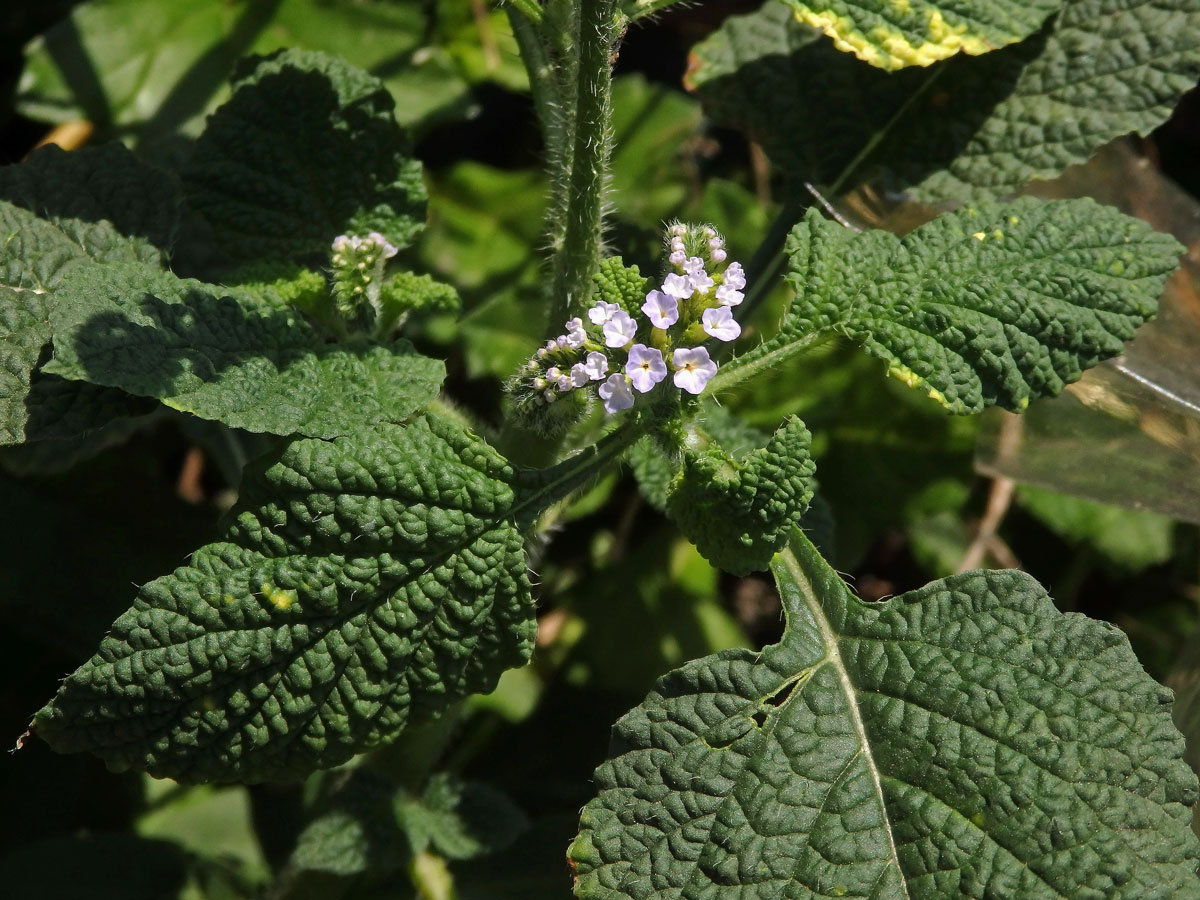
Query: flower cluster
(358, 264)
(625, 355)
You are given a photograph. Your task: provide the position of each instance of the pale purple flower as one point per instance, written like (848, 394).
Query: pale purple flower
(553, 372)
(661, 309)
(676, 257)
(576, 336)
(388, 249)
(701, 282)
(693, 265)
(602, 312)
(719, 323)
(645, 367)
(693, 368)
(718, 255)
(616, 394)
(678, 286)
(620, 329)
(563, 383)
(728, 295)
(735, 276)
(579, 375)
(716, 243)
(596, 365)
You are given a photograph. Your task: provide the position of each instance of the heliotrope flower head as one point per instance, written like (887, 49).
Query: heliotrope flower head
(625, 356)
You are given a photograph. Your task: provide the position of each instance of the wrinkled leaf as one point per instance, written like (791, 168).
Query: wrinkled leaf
(963, 740)
(892, 35)
(738, 510)
(992, 305)
(230, 356)
(361, 583)
(964, 128)
(307, 148)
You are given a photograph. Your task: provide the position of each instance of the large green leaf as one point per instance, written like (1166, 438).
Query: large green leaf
(307, 148)
(738, 510)
(141, 69)
(361, 583)
(229, 355)
(35, 256)
(995, 304)
(892, 35)
(966, 127)
(964, 740)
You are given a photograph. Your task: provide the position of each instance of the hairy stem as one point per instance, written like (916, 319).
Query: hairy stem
(583, 180)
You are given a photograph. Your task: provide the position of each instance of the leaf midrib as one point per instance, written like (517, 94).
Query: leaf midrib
(833, 658)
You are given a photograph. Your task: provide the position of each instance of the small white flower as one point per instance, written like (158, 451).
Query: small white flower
(661, 309)
(550, 395)
(715, 243)
(718, 255)
(576, 336)
(678, 229)
(602, 312)
(563, 383)
(693, 368)
(729, 296)
(579, 375)
(551, 346)
(678, 286)
(645, 367)
(693, 265)
(388, 250)
(701, 283)
(539, 384)
(616, 394)
(553, 372)
(735, 276)
(676, 257)
(596, 365)
(719, 323)
(562, 341)
(620, 329)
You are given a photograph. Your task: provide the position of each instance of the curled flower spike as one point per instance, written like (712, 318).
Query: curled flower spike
(626, 355)
(693, 368)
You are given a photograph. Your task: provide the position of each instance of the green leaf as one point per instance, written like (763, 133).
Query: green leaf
(35, 257)
(460, 819)
(739, 511)
(963, 740)
(654, 128)
(892, 35)
(306, 148)
(233, 357)
(1130, 540)
(969, 127)
(362, 583)
(87, 189)
(654, 467)
(141, 69)
(358, 832)
(995, 304)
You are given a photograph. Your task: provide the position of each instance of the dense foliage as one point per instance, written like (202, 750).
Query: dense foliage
(452, 460)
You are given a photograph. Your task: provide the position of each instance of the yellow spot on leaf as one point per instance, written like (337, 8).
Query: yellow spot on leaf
(1013, 220)
(997, 234)
(280, 598)
(913, 380)
(978, 820)
(229, 598)
(979, 236)
(888, 47)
